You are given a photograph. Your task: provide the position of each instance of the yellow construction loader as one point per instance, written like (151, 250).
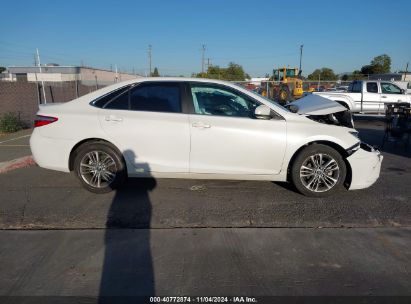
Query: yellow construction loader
(284, 85)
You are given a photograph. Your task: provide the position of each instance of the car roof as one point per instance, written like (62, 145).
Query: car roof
(176, 79)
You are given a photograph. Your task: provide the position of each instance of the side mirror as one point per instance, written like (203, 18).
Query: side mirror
(262, 112)
(402, 91)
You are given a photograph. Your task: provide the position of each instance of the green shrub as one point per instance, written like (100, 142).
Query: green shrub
(10, 122)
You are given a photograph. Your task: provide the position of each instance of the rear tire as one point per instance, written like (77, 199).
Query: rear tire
(318, 171)
(99, 167)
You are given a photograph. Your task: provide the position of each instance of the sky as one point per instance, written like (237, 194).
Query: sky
(259, 35)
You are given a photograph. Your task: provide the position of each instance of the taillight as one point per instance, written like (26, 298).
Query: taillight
(44, 120)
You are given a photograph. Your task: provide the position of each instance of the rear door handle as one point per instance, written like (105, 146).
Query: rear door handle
(113, 118)
(201, 125)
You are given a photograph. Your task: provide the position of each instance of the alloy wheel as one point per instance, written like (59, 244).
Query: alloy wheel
(319, 172)
(98, 169)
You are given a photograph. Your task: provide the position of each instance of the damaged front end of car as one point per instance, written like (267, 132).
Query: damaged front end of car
(322, 110)
(364, 160)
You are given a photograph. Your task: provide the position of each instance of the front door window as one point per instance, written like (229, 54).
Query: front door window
(389, 88)
(221, 101)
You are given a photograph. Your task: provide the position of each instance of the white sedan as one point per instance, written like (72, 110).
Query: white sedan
(205, 129)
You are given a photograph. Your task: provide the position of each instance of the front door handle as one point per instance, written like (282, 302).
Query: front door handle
(383, 96)
(113, 118)
(201, 125)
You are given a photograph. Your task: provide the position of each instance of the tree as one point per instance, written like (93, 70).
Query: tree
(214, 72)
(323, 74)
(234, 72)
(356, 75)
(2, 69)
(155, 73)
(344, 77)
(379, 65)
(367, 69)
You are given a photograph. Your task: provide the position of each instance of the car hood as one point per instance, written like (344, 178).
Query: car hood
(312, 104)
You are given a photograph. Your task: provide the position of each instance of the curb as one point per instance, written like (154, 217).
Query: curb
(22, 162)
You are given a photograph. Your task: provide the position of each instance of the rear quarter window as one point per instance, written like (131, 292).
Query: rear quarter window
(357, 87)
(105, 99)
(120, 102)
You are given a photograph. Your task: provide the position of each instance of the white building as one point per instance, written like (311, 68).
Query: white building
(257, 80)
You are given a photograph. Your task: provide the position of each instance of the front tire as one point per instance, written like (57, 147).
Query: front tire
(318, 170)
(99, 167)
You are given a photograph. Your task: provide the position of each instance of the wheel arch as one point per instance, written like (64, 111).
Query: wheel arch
(87, 141)
(343, 103)
(331, 144)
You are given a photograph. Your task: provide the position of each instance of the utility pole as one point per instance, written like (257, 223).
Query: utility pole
(318, 85)
(116, 77)
(149, 57)
(301, 55)
(37, 82)
(208, 63)
(406, 71)
(42, 81)
(202, 58)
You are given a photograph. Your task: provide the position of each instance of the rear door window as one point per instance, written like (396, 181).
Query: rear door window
(156, 97)
(372, 87)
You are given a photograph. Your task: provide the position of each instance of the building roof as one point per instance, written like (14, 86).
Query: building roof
(62, 69)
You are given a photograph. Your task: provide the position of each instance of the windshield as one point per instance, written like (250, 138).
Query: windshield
(290, 73)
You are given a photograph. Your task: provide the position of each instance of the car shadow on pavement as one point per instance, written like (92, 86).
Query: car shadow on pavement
(127, 268)
(288, 186)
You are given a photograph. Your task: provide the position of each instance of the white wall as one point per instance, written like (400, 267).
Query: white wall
(54, 77)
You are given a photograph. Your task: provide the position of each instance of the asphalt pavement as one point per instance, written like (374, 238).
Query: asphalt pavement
(212, 262)
(15, 145)
(207, 237)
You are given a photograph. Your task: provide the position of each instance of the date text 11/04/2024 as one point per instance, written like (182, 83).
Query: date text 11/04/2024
(203, 300)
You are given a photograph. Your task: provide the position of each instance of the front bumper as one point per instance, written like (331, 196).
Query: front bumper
(365, 167)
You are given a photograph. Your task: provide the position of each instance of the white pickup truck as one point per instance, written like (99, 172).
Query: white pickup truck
(368, 96)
